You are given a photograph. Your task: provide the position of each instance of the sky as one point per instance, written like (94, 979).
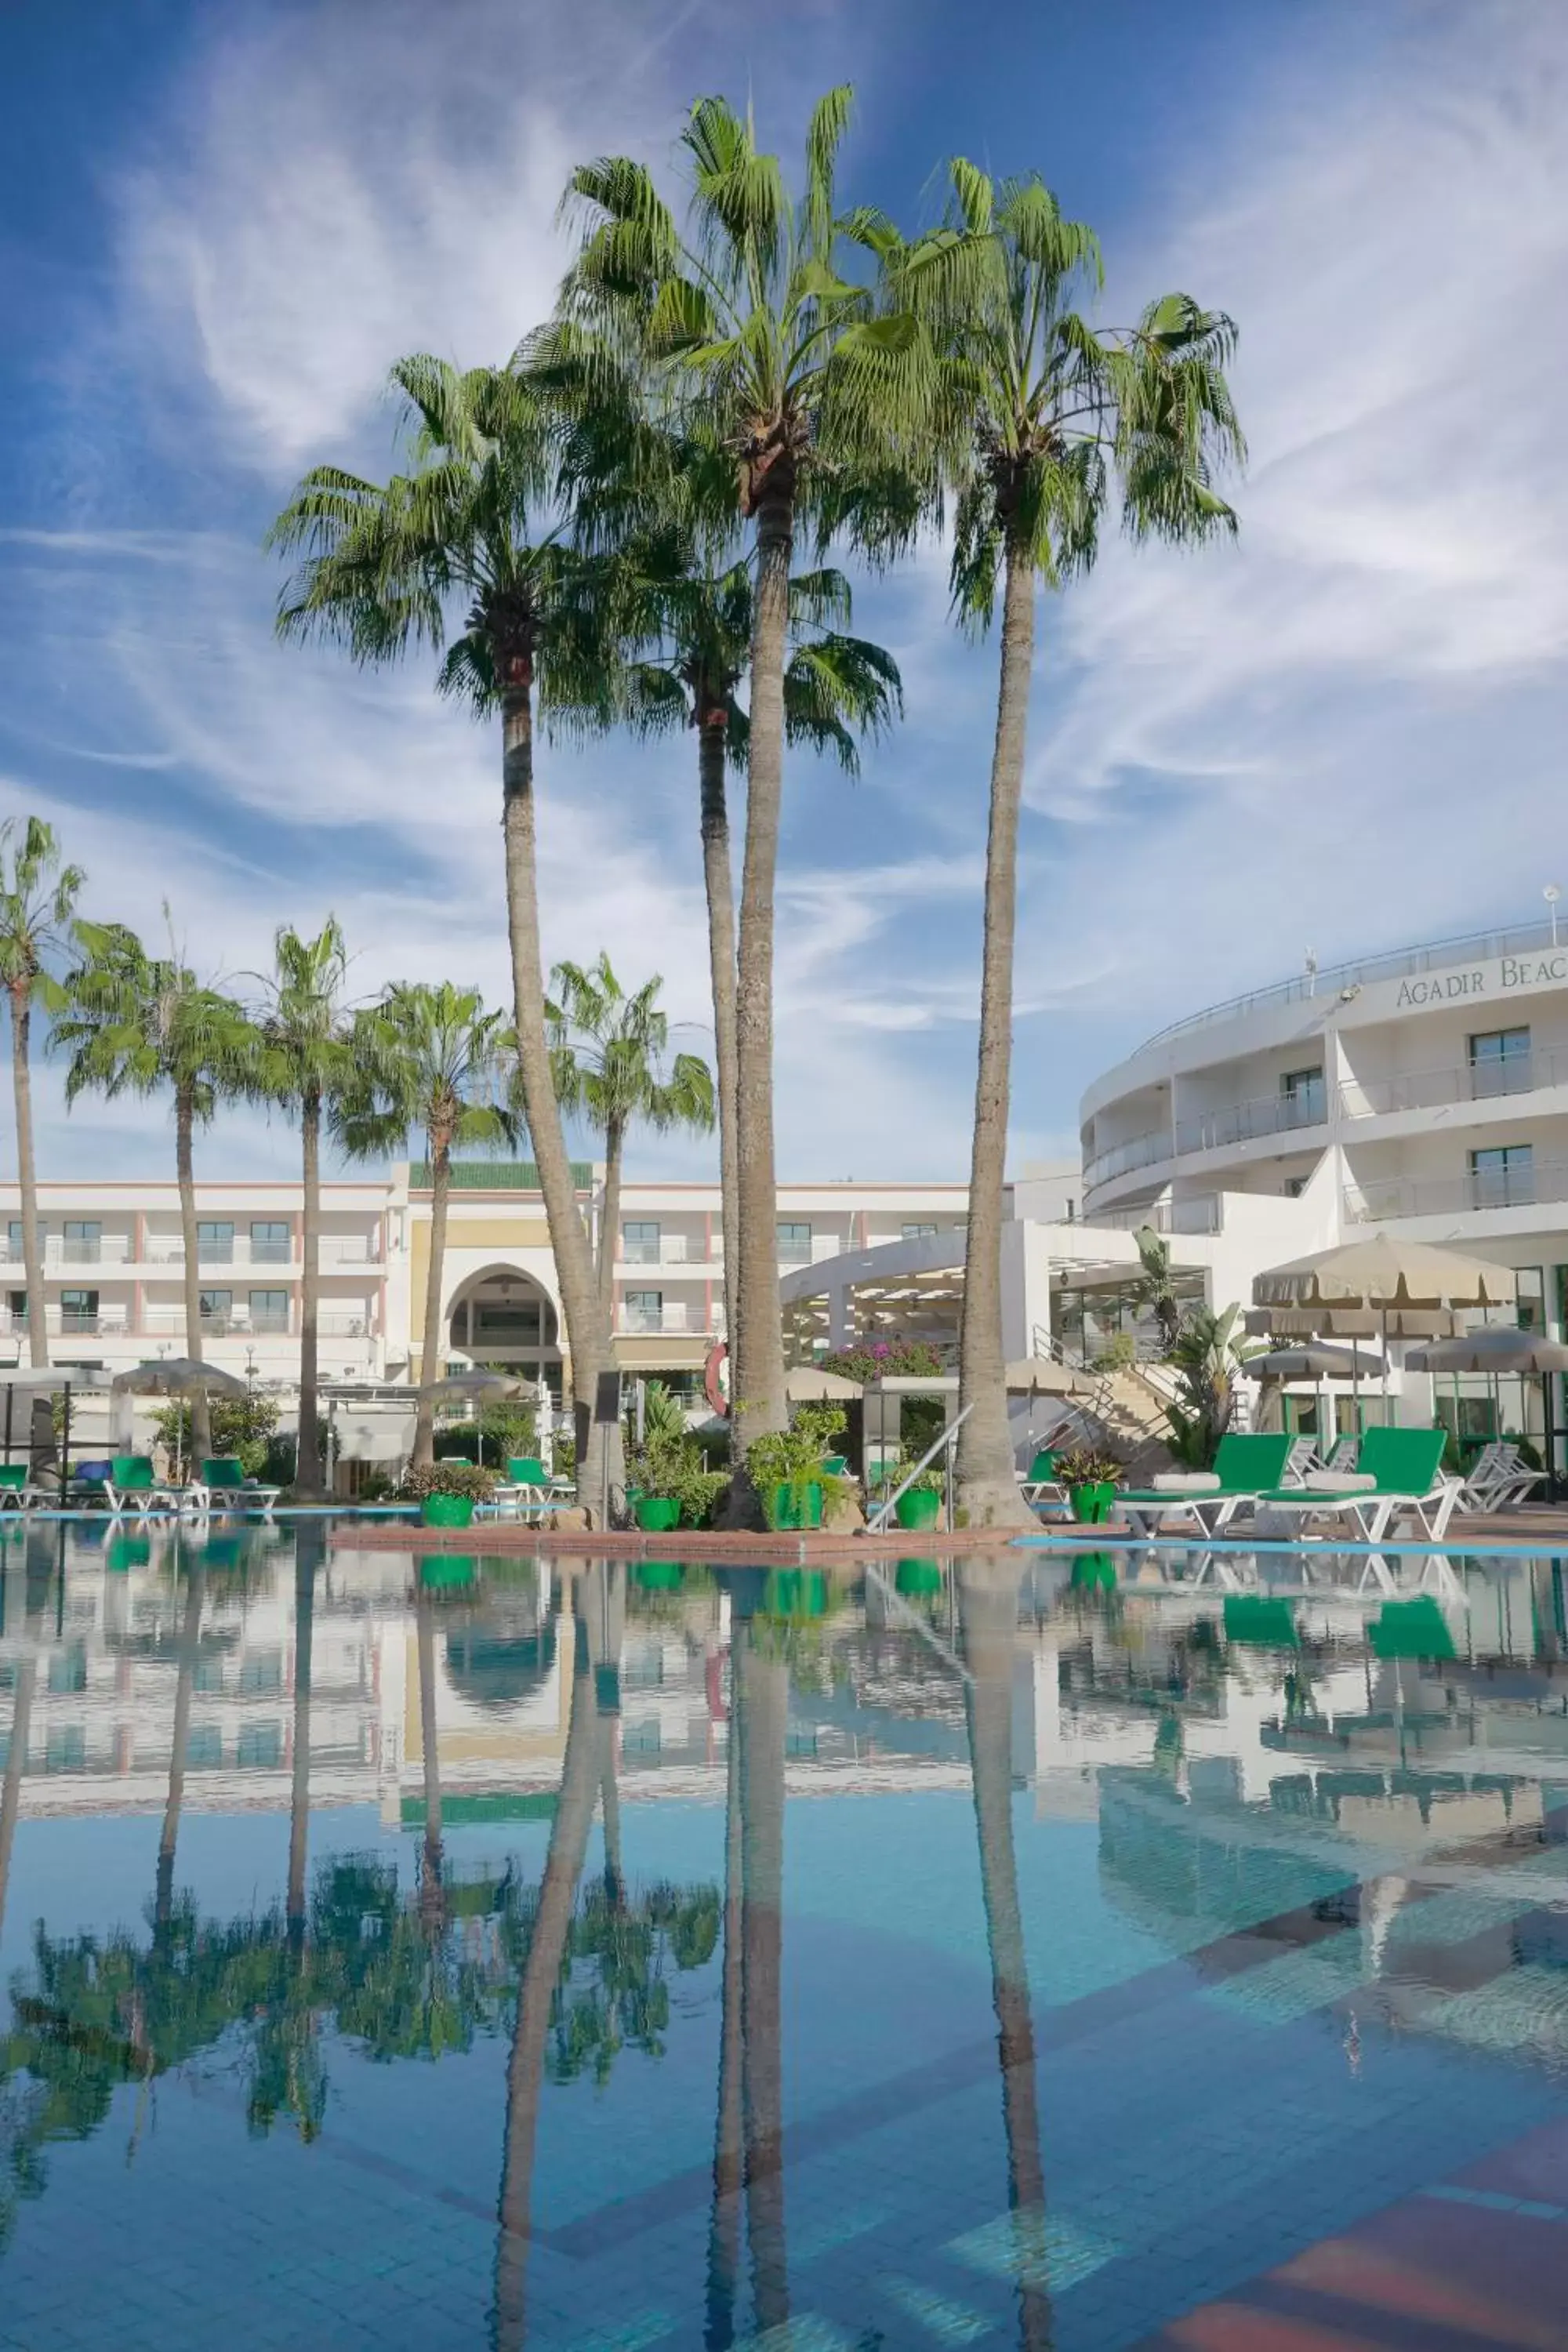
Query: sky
(1343, 731)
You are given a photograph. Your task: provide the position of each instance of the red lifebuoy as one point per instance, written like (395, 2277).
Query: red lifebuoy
(718, 1355)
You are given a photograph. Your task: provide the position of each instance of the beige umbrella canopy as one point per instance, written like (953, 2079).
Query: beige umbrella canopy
(480, 1387)
(1042, 1376)
(177, 1376)
(804, 1384)
(1499, 1348)
(1287, 1323)
(1387, 1272)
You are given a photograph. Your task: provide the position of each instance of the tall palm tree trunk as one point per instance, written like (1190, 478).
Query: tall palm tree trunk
(300, 1791)
(988, 1493)
(610, 1231)
(724, 2223)
(180, 1741)
(307, 1450)
(719, 885)
(600, 1462)
(763, 1689)
(580, 1776)
(431, 1349)
(988, 1611)
(184, 1168)
(27, 1174)
(757, 1374)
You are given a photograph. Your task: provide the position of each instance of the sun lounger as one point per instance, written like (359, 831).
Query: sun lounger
(1500, 1479)
(1404, 1468)
(17, 1490)
(224, 1486)
(133, 1490)
(1040, 1483)
(1245, 1466)
(529, 1491)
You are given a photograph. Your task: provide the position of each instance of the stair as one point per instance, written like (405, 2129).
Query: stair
(1126, 1414)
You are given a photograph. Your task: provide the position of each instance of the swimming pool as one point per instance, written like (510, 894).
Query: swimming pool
(1084, 1950)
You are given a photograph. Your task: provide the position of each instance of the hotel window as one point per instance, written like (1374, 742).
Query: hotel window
(215, 1308)
(84, 1240)
(644, 1310)
(271, 1241)
(1302, 1099)
(269, 1310)
(65, 1750)
(262, 1671)
(13, 1234)
(78, 1311)
(17, 1300)
(205, 1752)
(1295, 1186)
(1529, 1309)
(1503, 1176)
(1499, 1062)
(918, 1232)
(215, 1240)
(67, 1669)
(794, 1243)
(260, 1747)
(640, 1242)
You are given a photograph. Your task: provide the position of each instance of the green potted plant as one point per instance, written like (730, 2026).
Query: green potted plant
(1089, 1474)
(786, 1467)
(447, 1491)
(919, 1505)
(668, 1482)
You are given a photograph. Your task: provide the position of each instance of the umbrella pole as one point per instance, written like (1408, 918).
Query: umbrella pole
(66, 1444)
(1386, 1363)
(10, 1402)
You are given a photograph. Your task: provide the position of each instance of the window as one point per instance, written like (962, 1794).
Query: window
(640, 1242)
(1529, 1310)
(205, 1752)
(1499, 1062)
(271, 1241)
(1502, 1177)
(84, 1240)
(641, 1739)
(269, 1310)
(260, 1746)
(78, 1311)
(506, 1321)
(1294, 1187)
(215, 1240)
(645, 1310)
(14, 1231)
(918, 1232)
(217, 1306)
(262, 1671)
(209, 1677)
(794, 1243)
(67, 1669)
(1302, 1099)
(17, 1300)
(65, 1750)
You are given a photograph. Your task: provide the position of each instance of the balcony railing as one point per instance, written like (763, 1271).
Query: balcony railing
(1202, 1213)
(1517, 1073)
(1120, 1158)
(1245, 1122)
(1546, 1180)
(671, 1316)
(664, 1249)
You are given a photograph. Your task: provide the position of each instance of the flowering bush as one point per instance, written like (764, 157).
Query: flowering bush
(449, 1477)
(876, 1360)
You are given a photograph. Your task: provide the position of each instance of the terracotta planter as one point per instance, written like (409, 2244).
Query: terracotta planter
(448, 1510)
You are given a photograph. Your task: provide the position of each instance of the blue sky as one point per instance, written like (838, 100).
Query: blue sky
(219, 224)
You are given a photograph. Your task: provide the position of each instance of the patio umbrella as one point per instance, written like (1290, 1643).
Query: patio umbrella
(1313, 1359)
(179, 1377)
(1043, 1376)
(804, 1384)
(1499, 1348)
(1388, 1273)
(480, 1386)
(1286, 1323)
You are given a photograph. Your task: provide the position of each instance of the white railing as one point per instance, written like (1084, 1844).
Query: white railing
(1546, 1180)
(668, 1249)
(672, 1315)
(1202, 1213)
(1260, 1114)
(1120, 1158)
(1520, 1074)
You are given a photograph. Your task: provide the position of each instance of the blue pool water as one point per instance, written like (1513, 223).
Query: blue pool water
(496, 1952)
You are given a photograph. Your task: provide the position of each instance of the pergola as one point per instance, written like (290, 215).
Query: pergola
(924, 1305)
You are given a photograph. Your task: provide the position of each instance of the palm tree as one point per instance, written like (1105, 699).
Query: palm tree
(37, 895)
(134, 1024)
(386, 566)
(180, 1737)
(304, 1028)
(1038, 417)
(749, 331)
(692, 622)
(607, 1056)
(1155, 1286)
(431, 1058)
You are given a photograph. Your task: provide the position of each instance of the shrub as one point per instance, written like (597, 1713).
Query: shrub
(792, 1458)
(242, 1427)
(1089, 1465)
(1118, 1353)
(447, 1478)
(874, 1360)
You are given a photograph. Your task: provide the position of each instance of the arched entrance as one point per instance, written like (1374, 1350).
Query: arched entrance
(506, 1320)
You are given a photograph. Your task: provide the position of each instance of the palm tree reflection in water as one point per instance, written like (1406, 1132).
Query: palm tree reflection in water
(988, 1617)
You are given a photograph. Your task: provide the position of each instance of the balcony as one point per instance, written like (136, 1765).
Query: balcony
(1202, 1213)
(1490, 1081)
(1469, 1194)
(671, 1316)
(1248, 1121)
(1120, 1158)
(666, 1249)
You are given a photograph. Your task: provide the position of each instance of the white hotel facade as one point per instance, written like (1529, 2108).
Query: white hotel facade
(1425, 1091)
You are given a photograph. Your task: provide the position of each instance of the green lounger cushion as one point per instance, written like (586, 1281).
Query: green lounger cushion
(13, 1474)
(133, 1473)
(1401, 1461)
(835, 1465)
(527, 1470)
(225, 1470)
(1042, 1470)
(1246, 1463)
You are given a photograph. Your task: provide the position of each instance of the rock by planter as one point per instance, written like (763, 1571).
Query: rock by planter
(571, 1520)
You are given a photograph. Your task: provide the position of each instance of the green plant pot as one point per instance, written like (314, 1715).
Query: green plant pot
(656, 1514)
(447, 1511)
(790, 1510)
(1091, 1503)
(920, 1508)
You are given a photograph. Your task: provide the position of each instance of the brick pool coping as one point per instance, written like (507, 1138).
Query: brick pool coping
(499, 1536)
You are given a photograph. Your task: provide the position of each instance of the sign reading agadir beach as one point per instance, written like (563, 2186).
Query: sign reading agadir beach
(1500, 978)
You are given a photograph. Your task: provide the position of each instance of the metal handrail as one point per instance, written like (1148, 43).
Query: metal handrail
(874, 1527)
